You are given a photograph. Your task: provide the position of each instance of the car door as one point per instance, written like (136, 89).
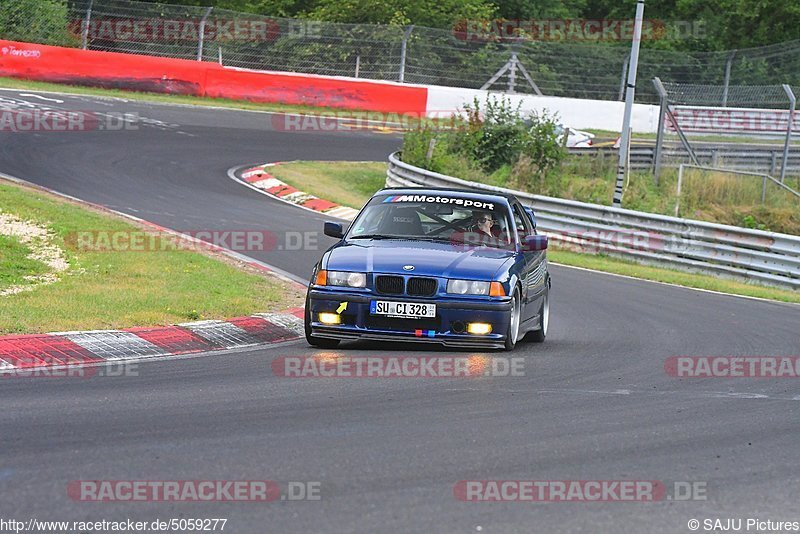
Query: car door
(535, 269)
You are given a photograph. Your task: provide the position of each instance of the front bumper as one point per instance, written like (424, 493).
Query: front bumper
(358, 323)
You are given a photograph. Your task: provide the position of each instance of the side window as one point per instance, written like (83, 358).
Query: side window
(522, 222)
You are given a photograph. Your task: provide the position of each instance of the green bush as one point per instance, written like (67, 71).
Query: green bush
(36, 21)
(542, 148)
(495, 141)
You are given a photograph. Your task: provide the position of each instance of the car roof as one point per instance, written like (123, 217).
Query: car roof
(466, 193)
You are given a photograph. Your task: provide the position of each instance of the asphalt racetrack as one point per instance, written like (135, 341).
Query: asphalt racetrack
(595, 401)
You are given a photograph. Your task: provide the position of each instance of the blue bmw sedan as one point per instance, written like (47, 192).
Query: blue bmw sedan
(459, 268)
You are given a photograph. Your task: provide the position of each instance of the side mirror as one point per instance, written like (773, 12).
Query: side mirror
(334, 229)
(534, 243)
(532, 215)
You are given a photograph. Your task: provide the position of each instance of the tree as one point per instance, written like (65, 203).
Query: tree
(432, 13)
(36, 21)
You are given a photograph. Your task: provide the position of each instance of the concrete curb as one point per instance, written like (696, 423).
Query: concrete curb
(67, 349)
(260, 179)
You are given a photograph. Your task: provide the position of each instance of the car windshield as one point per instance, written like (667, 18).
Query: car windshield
(441, 217)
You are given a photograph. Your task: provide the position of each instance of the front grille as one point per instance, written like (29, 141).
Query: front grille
(422, 287)
(403, 325)
(389, 285)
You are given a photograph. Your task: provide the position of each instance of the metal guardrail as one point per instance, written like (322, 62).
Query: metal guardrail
(697, 246)
(739, 159)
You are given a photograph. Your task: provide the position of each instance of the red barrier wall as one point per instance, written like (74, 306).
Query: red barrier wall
(180, 76)
(315, 91)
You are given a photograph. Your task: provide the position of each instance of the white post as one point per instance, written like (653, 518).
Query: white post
(792, 106)
(727, 81)
(86, 22)
(404, 53)
(624, 145)
(202, 32)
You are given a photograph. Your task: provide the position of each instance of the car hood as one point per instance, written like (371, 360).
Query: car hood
(428, 258)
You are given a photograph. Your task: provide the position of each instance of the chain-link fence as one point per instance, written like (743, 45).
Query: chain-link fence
(409, 54)
(735, 96)
(704, 112)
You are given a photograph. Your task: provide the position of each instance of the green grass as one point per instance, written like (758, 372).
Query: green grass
(121, 289)
(346, 183)
(352, 184)
(15, 264)
(718, 197)
(626, 268)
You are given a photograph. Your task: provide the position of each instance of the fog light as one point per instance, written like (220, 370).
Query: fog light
(329, 318)
(479, 328)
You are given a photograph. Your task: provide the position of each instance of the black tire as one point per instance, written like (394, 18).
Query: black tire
(320, 342)
(512, 336)
(539, 335)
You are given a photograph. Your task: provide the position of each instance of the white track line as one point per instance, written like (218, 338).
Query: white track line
(57, 101)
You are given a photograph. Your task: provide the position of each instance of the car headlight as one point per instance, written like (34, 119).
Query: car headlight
(341, 278)
(467, 287)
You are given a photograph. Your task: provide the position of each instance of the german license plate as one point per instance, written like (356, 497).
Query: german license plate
(408, 310)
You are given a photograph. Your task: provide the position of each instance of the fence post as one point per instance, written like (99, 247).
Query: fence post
(202, 34)
(674, 121)
(622, 78)
(358, 64)
(512, 72)
(727, 81)
(678, 192)
(429, 153)
(219, 53)
(792, 104)
(404, 52)
(86, 22)
(662, 113)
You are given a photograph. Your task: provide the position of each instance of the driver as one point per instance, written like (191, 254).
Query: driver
(481, 229)
(483, 222)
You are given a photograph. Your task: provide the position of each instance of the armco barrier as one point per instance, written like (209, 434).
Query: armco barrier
(731, 157)
(743, 158)
(765, 257)
(199, 78)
